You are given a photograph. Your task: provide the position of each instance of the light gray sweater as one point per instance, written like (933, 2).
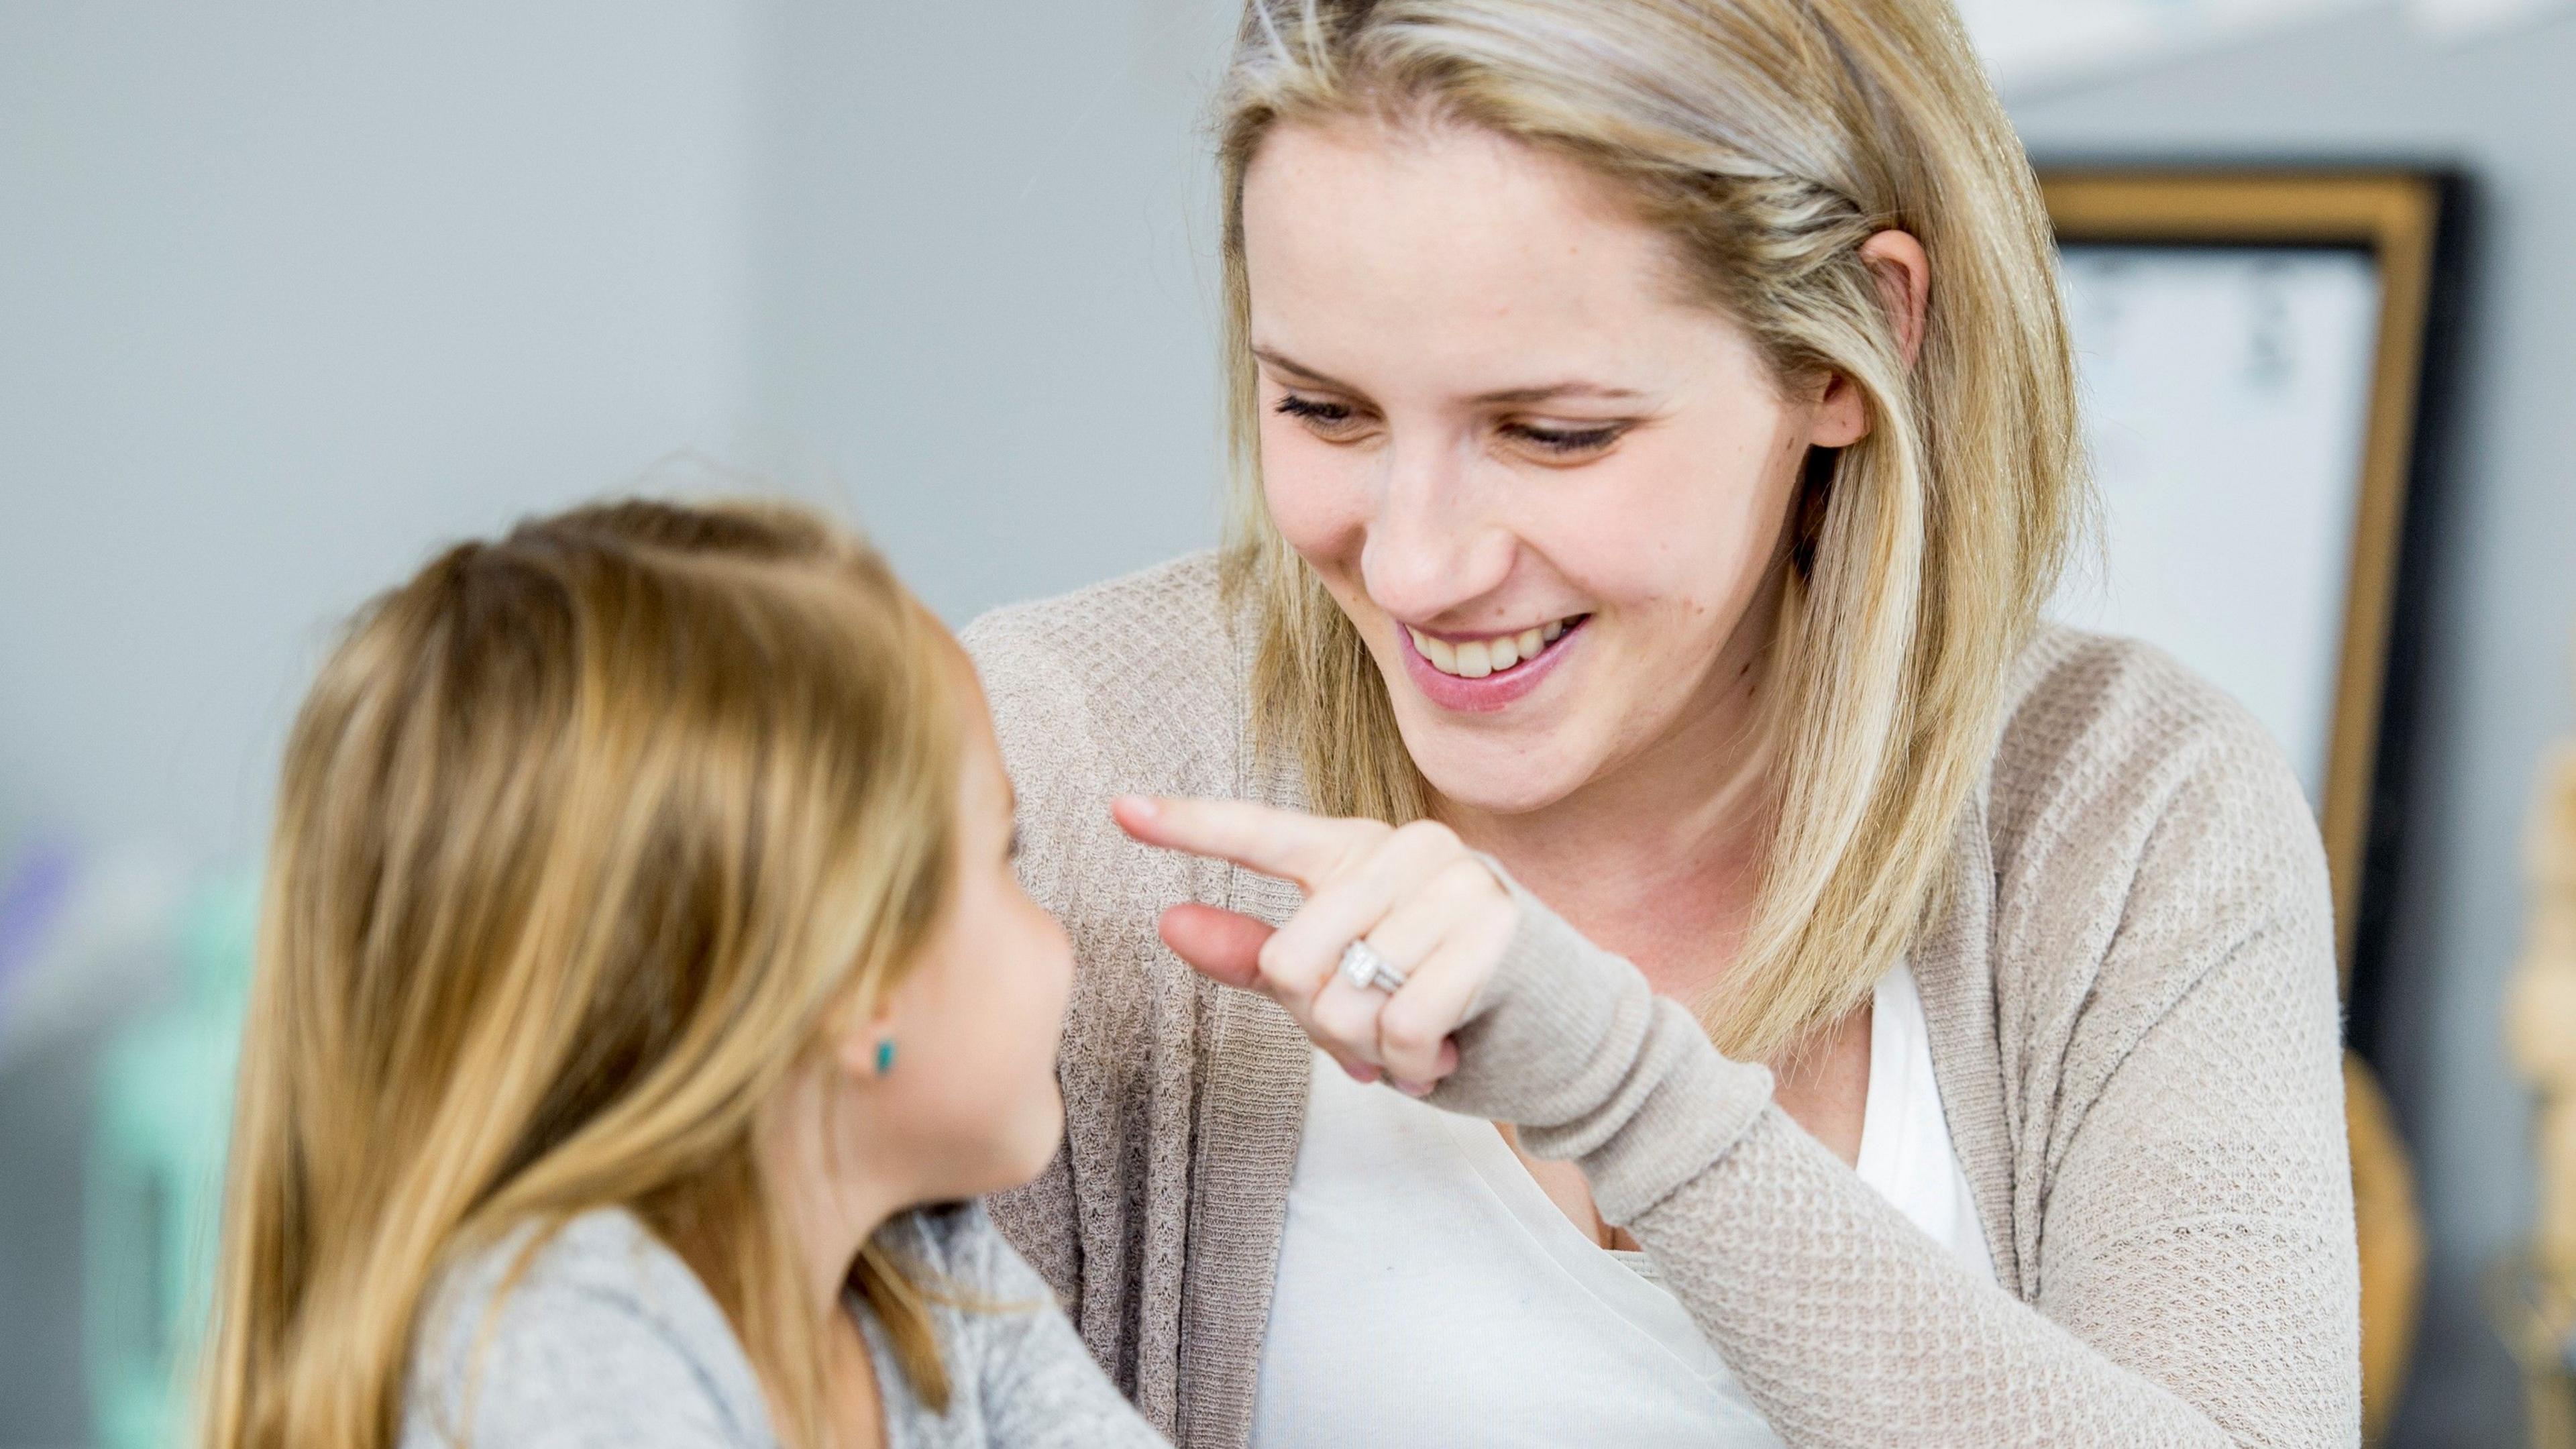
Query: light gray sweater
(2129, 986)
(609, 1340)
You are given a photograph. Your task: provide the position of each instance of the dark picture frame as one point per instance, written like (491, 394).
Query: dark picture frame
(2407, 221)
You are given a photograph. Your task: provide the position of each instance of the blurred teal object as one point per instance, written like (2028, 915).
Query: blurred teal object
(154, 1179)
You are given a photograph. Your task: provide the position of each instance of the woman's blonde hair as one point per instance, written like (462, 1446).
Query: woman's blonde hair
(584, 837)
(1768, 140)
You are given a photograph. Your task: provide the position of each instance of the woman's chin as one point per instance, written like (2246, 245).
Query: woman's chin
(1491, 782)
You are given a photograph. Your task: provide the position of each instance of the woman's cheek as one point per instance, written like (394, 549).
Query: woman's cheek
(1319, 501)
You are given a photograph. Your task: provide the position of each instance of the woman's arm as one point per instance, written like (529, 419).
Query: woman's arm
(2195, 1276)
(2193, 1252)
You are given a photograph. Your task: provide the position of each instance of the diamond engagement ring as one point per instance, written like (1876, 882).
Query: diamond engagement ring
(1364, 968)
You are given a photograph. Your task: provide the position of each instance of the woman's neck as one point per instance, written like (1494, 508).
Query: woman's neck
(1658, 858)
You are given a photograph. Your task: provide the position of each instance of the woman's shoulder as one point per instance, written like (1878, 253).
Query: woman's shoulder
(1151, 642)
(2098, 723)
(2144, 827)
(602, 1331)
(1135, 684)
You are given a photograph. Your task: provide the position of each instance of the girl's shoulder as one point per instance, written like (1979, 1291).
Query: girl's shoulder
(1018, 1374)
(600, 1334)
(971, 1270)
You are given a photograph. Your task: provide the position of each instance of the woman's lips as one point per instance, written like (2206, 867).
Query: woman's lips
(1494, 691)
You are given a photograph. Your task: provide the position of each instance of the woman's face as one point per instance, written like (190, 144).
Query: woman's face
(1547, 489)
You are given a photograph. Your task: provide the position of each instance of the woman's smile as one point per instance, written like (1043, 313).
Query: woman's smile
(1478, 673)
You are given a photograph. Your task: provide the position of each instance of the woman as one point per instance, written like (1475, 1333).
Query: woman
(1658, 440)
(641, 956)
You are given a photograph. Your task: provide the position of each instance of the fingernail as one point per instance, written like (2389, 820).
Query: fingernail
(1361, 1072)
(1414, 1089)
(1142, 806)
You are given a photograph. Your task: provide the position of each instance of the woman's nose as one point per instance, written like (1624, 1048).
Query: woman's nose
(1433, 544)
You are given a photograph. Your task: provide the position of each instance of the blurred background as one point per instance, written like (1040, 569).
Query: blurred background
(289, 293)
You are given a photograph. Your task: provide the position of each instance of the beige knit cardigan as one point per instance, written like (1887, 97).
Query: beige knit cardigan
(2130, 989)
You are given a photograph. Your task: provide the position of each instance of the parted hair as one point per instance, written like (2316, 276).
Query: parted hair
(1767, 141)
(584, 836)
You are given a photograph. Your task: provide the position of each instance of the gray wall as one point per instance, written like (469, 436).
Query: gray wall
(291, 291)
(989, 301)
(2499, 683)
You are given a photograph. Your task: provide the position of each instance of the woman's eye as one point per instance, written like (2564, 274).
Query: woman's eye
(1323, 417)
(1566, 441)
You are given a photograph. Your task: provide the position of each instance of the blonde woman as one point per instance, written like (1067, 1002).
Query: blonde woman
(1865, 1015)
(641, 959)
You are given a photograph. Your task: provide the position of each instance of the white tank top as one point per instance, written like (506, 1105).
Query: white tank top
(1429, 1293)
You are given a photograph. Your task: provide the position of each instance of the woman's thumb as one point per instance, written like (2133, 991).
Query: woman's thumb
(1224, 946)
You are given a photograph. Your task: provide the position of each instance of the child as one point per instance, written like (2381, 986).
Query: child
(641, 958)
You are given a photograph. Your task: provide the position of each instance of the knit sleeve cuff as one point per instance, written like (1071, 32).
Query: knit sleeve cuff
(1571, 1045)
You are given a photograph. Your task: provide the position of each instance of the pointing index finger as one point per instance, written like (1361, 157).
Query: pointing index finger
(1286, 843)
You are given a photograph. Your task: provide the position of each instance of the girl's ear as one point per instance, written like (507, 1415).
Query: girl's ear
(865, 1043)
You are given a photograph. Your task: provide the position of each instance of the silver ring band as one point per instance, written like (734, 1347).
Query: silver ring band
(1365, 969)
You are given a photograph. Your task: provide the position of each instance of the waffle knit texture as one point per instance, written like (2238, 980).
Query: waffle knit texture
(608, 1341)
(2128, 979)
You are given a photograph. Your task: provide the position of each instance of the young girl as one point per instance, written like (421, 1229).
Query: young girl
(641, 959)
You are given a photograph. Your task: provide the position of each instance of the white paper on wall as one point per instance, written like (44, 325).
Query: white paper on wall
(2470, 19)
(2028, 41)
(2226, 393)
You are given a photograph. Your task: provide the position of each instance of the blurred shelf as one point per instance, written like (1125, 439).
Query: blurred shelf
(2538, 1324)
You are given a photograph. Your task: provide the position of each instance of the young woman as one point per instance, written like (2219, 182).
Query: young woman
(641, 958)
(1659, 439)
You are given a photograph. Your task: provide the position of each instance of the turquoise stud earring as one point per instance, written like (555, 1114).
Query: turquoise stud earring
(885, 1056)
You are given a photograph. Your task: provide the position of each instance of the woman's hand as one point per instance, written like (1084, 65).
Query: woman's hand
(1426, 904)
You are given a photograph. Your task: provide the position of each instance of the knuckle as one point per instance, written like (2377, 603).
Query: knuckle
(1404, 1032)
(1466, 879)
(1365, 839)
(1429, 837)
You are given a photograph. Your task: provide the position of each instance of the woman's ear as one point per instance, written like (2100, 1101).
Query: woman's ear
(1904, 273)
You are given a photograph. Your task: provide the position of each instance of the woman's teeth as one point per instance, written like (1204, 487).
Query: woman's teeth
(1478, 658)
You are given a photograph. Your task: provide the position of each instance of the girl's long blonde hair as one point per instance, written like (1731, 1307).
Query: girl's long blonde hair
(583, 836)
(1767, 140)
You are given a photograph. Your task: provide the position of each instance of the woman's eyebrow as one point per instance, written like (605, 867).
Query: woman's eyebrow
(1544, 392)
(1283, 363)
(1555, 390)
